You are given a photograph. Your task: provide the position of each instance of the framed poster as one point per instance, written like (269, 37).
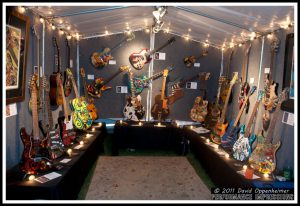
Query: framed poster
(17, 30)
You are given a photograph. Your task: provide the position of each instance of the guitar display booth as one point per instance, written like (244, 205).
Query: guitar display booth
(150, 89)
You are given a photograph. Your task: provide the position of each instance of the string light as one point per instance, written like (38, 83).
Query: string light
(167, 30)
(252, 36)
(106, 32)
(147, 30)
(42, 20)
(266, 175)
(61, 32)
(21, 9)
(245, 167)
(53, 27)
(68, 27)
(269, 36)
(187, 37)
(31, 177)
(61, 21)
(69, 37)
(240, 44)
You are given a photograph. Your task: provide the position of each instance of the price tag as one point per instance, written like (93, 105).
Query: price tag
(191, 85)
(121, 89)
(251, 80)
(112, 62)
(71, 63)
(197, 64)
(11, 110)
(288, 118)
(267, 70)
(90, 76)
(160, 56)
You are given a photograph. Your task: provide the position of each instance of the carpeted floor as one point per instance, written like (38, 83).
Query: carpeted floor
(146, 178)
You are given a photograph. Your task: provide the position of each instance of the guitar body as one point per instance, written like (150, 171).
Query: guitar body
(35, 154)
(134, 110)
(67, 84)
(55, 94)
(139, 84)
(101, 59)
(81, 117)
(92, 110)
(189, 61)
(176, 94)
(199, 110)
(138, 60)
(242, 148)
(56, 146)
(229, 138)
(160, 110)
(67, 133)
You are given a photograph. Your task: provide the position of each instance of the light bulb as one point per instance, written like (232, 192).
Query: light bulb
(53, 27)
(121, 121)
(21, 9)
(159, 124)
(147, 30)
(269, 36)
(69, 151)
(240, 45)
(42, 20)
(191, 126)
(245, 167)
(31, 177)
(69, 37)
(227, 155)
(68, 27)
(140, 123)
(266, 175)
(207, 141)
(81, 142)
(61, 32)
(100, 124)
(106, 32)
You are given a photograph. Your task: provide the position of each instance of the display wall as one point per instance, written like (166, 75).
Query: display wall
(111, 104)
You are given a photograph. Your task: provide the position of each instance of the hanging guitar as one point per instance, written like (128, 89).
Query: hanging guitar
(35, 156)
(244, 89)
(226, 85)
(67, 80)
(220, 128)
(55, 93)
(95, 89)
(133, 110)
(160, 110)
(90, 101)
(242, 148)
(67, 132)
(270, 100)
(199, 110)
(189, 61)
(142, 82)
(138, 60)
(231, 135)
(102, 59)
(263, 158)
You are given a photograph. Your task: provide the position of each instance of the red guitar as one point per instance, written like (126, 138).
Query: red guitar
(138, 60)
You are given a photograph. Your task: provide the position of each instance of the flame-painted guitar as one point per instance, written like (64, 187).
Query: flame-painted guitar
(242, 148)
(138, 60)
(263, 158)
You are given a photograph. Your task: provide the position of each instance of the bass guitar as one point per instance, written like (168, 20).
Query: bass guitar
(142, 82)
(99, 60)
(95, 89)
(55, 93)
(35, 156)
(67, 132)
(138, 60)
(133, 110)
(67, 80)
(90, 101)
(160, 110)
(199, 110)
(263, 158)
(229, 138)
(189, 61)
(220, 128)
(242, 148)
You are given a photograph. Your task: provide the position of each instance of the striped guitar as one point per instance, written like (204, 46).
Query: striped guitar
(263, 158)
(229, 138)
(242, 148)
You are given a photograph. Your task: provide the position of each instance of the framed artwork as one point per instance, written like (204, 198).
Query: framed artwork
(17, 31)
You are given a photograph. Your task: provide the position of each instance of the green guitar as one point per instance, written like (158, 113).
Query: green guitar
(141, 82)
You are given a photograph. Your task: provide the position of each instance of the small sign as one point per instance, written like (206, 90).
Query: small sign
(78, 146)
(267, 70)
(112, 62)
(121, 89)
(197, 64)
(251, 80)
(11, 110)
(288, 118)
(65, 160)
(160, 56)
(47, 177)
(90, 76)
(191, 85)
(71, 63)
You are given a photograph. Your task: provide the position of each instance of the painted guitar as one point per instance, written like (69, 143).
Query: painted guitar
(67, 80)
(67, 132)
(242, 148)
(189, 61)
(160, 110)
(90, 101)
(99, 85)
(133, 110)
(82, 119)
(138, 60)
(35, 157)
(220, 128)
(141, 82)
(199, 110)
(263, 158)
(229, 138)
(102, 59)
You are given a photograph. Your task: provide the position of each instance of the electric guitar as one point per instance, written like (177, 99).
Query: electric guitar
(141, 82)
(220, 128)
(189, 61)
(138, 60)
(263, 158)
(67, 80)
(242, 148)
(102, 59)
(81, 117)
(226, 85)
(67, 132)
(90, 101)
(55, 93)
(199, 110)
(95, 89)
(160, 110)
(35, 156)
(133, 110)
(229, 138)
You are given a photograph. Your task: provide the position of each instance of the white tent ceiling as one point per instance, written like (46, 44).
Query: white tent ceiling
(218, 24)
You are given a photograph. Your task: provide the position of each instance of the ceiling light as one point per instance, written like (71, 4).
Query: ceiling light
(68, 27)
(21, 9)
(42, 20)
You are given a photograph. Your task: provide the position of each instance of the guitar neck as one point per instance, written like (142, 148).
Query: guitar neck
(241, 111)
(113, 76)
(271, 66)
(154, 76)
(64, 101)
(163, 88)
(35, 117)
(75, 87)
(218, 94)
(226, 105)
(50, 118)
(160, 48)
(84, 87)
(249, 125)
(118, 45)
(273, 124)
(131, 84)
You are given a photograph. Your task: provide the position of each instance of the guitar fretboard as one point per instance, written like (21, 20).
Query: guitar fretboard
(64, 98)
(35, 118)
(226, 105)
(251, 120)
(273, 124)
(131, 84)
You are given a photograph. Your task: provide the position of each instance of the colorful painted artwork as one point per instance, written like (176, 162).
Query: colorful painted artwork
(13, 50)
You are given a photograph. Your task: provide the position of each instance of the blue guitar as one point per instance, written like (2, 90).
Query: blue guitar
(229, 138)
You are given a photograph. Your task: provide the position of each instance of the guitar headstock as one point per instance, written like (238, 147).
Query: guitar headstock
(125, 68)
(275, 44)
(234, 78)
(166, 71)
(58, 79)
(252, 90)
(222, 79)
(45, 83)
(69, 72)
(33, 82)
(82, 72)
(171, 40)
(260, 95)
(35, 32)
(248, 49)
(284, 95)
(204, 76)
(130, 37)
